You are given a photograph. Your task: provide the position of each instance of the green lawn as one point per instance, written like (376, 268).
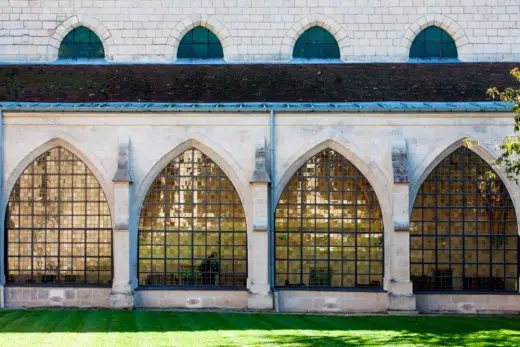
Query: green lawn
(151, 328)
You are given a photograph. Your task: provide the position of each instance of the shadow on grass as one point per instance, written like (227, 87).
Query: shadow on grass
(279, 329)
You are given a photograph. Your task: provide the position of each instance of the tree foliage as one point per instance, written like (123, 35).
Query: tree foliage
(510, 158)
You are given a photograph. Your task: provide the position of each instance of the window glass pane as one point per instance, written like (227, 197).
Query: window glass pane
(463, 229)
(193, 221)
(318, 231)
(60, 233)
(316, 43)
(200, 43)
(433, 43)
(81, 43)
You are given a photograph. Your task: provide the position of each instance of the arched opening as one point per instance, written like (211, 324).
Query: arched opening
(316, 43)
(328, 227)
(58, 225)
(433, 43)
(192, 228)
(200, 43)
(464, 233)
(81, 43)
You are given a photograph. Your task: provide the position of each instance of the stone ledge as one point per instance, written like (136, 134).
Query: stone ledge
(28, 297)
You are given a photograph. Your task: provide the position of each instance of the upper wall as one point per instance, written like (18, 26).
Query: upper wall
(259, 30)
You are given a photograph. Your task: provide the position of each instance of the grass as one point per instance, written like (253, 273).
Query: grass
(153, 328)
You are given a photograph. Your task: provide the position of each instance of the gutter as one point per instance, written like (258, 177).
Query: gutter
(272, 207)
(249, 107)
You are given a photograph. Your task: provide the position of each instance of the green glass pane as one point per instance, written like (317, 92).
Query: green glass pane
(81, 43)
(200, 43)
(316, 43)
(433, 43)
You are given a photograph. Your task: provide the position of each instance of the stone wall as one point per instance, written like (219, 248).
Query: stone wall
(218, 299)
(18, 297)
(231, 141)
(468, 304)
(258, 30)
(333, 302)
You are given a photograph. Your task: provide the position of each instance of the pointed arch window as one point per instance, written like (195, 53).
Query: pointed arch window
(433, 43)
(81, 43)
(329, 227)
(464, 234)
(58, 224)
(200, 43)
(192, 228)
(316, 43)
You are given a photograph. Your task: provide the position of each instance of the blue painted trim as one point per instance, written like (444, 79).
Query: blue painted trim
(346, 107)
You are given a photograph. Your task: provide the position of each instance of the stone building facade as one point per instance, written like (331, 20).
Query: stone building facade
(150, 30)
(246, 143)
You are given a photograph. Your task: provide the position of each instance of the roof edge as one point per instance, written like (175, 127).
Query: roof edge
(346, 107)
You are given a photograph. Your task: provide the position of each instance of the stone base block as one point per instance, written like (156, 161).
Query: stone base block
(404, 303)
(2, 298)
(260, 301)
(469, 303)
(122, 301)
(322, 301)
(206, 299)
(17, 297)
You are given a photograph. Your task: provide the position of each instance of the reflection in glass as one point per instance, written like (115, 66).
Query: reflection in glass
(316, 43)
(328, 227)
(81, 43)
(433, 43)
(463, 229)
(59, 229)
(192, 229)
(200, 43)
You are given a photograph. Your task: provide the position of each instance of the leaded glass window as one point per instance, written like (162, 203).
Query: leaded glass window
(328, 227)
(192, 228)
(200, 43)
(81, 43)
(433, 43)
(464, 233)
(58, 224)
(316, 43)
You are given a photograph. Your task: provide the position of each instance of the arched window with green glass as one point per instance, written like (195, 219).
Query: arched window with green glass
(433, 43)
(200, 43)
(81, 43)
(316, 43)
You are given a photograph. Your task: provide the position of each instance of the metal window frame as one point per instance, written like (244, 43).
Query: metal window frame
(352, 173)
(58, 282)
(193, 260)
(465, 157)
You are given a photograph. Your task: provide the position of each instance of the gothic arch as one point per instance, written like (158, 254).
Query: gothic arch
(211, 23)
(74, 22)
(229, 170)
(19, 169)
(423, 170)
(371, 171)
(325, 22)
(446, 23)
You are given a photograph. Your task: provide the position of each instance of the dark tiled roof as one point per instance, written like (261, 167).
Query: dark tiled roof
(253, 82)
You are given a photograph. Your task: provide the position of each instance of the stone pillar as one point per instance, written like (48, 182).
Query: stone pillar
(122, 295)
(402, 298)
(260, 296)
